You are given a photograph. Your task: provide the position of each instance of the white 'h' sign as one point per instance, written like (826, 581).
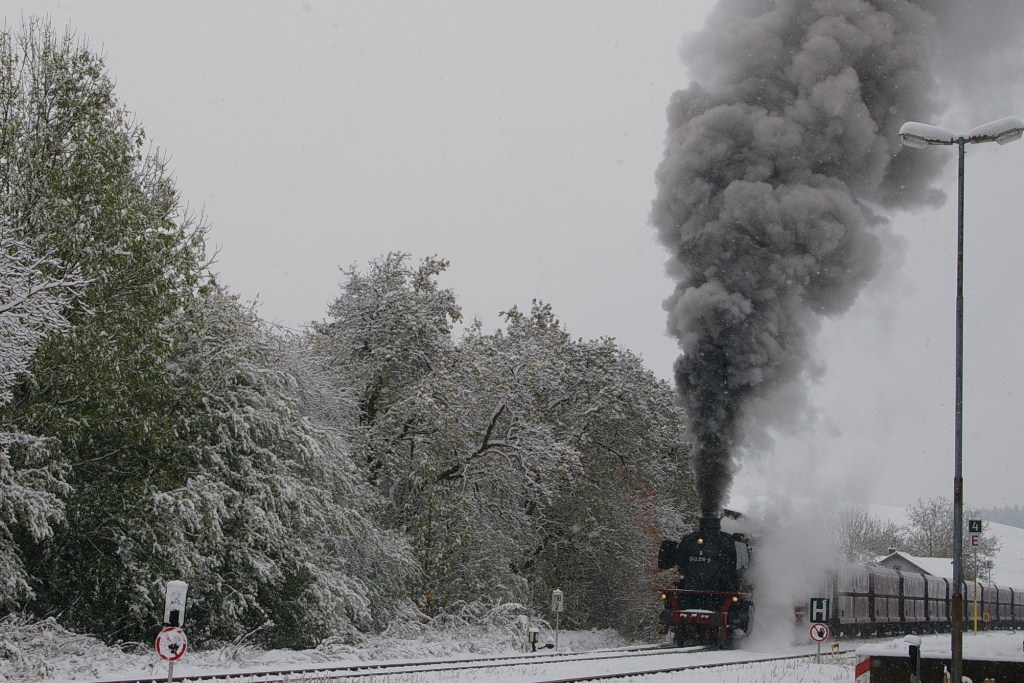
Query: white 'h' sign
(819, 610)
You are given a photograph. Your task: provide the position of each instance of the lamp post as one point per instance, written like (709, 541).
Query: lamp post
(920, 135)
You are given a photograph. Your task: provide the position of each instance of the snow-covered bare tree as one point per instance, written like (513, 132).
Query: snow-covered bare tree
(929, 533)
(600, 534)
(389, 327)
(484, 467)
(859, 537)
(511, 459)
(389, 342)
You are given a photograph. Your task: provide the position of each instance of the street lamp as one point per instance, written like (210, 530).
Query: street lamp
(920, 135)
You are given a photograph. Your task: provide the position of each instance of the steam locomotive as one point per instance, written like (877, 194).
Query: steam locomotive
(712, 603)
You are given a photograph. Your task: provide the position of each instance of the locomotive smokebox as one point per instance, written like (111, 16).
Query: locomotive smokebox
(710, 525)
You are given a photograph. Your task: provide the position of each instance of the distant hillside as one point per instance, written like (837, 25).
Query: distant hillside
(1009, 569)
(1010, 516)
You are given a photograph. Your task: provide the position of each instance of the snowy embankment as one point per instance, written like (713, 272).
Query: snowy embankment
(995, 646)
(43, 651)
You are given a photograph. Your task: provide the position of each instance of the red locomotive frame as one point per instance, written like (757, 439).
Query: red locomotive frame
(715, 627)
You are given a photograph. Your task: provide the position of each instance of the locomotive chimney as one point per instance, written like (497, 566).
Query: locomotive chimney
(710, 525)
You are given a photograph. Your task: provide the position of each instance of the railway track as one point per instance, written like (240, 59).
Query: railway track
(331, 672)
(476, 668)
(672, 669)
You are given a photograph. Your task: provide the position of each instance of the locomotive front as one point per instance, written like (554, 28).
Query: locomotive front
(711, 603)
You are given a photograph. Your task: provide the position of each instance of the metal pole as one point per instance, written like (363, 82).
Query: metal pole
(557, 615)
(957, 635)
(170, 672)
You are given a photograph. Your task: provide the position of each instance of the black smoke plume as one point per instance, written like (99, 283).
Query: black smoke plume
(778, 163)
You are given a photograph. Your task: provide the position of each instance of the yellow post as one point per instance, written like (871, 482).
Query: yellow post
(975, 591)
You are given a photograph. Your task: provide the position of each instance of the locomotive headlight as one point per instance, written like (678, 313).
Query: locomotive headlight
(700, 541)
(735, 598)
(664, 596)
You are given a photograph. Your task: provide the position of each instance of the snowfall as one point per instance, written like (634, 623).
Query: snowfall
(42, 651)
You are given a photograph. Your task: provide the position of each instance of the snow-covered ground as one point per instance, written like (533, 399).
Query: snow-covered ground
(44, 652)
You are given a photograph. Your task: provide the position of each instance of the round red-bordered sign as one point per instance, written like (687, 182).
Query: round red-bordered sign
(171, 644)
(820, 632)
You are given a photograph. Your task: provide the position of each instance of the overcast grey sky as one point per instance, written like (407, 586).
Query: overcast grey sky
(519, 140)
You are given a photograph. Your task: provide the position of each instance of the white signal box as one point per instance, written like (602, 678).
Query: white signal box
(174, 603)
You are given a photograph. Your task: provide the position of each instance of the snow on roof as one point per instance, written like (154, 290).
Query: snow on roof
(936, 566)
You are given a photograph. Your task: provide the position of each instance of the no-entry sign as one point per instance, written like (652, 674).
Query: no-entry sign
(819, 632)
(171, 644)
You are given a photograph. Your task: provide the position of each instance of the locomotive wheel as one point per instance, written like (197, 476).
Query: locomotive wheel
(745, 624)
(680, 637)
(743, 616)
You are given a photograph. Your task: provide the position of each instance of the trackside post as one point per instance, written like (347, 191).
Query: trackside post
(557, 605)
(171, 642)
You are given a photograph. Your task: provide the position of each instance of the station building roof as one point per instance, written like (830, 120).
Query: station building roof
(904, 562)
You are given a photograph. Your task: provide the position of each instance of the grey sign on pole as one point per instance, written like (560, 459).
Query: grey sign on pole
(557, 605)
(974, 533)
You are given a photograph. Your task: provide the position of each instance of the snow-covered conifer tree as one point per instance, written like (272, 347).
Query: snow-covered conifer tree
(34, 293)
(275, 524)
(77, 184)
